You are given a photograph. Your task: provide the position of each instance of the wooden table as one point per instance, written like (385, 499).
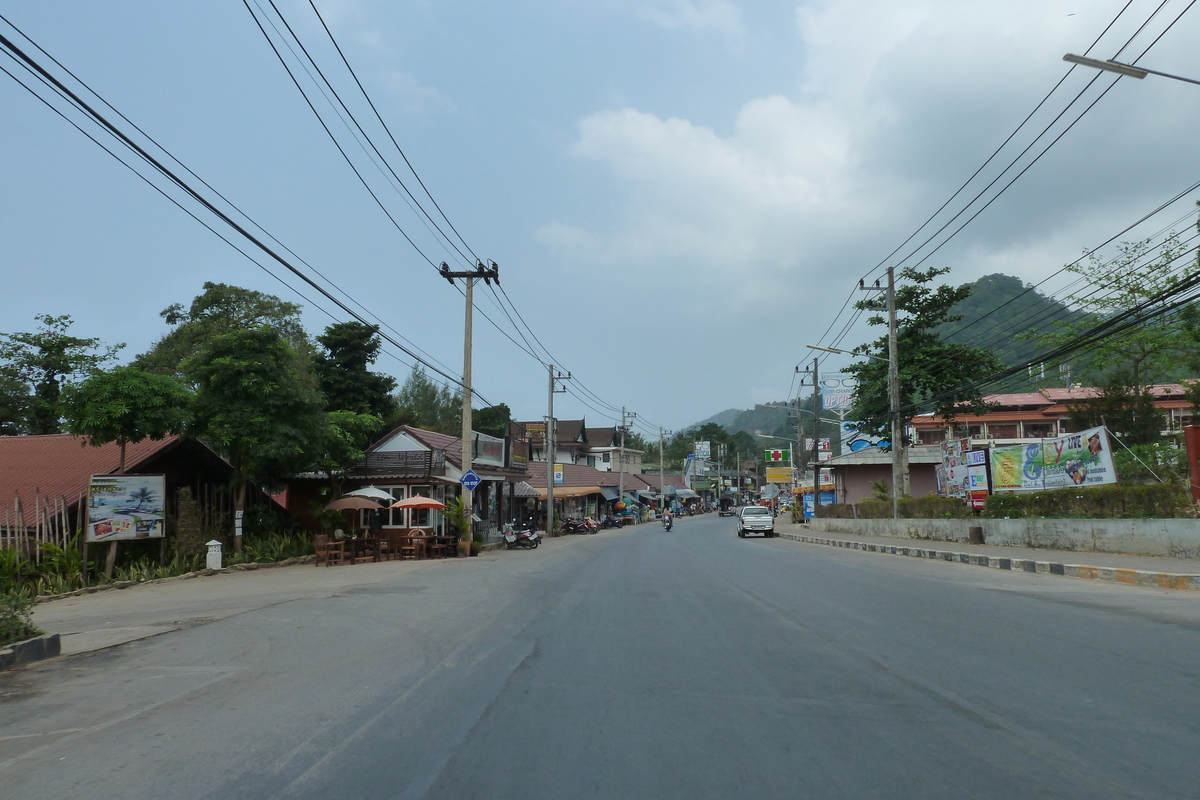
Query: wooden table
(361, 549)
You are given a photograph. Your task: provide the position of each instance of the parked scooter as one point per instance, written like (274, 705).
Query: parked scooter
(574, 526)
(612, 522)
(527, 538)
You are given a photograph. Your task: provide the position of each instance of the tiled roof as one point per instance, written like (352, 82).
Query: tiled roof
(603, 437)
(435, 441)
(575, 475)
(651, 478)
(1022, 399)
(59, 465)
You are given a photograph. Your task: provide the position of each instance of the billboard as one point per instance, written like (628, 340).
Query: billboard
(126, 507)
(824, 449)
(1077, 459)
(837, 390)
(779, 475)
(702, 449)
(854, 440)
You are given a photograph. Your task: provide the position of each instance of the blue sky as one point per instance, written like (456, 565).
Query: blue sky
(680, 193)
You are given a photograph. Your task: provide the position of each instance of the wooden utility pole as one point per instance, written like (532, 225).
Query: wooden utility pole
(468, 444)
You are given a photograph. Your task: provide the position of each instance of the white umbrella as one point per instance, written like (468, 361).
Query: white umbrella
(372, 492)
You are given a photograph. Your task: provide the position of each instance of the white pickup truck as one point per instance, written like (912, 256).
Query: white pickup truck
(755, 519)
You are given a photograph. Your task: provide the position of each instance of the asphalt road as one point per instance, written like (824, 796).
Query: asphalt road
(629, 664)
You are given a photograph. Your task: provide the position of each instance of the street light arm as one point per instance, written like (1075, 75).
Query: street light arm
(1127, 70)
(844, 352)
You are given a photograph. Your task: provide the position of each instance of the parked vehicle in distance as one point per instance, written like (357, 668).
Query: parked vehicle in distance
(755, 519)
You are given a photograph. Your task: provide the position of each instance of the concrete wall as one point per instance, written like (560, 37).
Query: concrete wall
(1177, 538)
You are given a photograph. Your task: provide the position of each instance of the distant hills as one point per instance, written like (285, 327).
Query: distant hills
(999, 308)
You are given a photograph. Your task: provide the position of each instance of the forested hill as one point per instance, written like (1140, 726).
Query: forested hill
(999, 310)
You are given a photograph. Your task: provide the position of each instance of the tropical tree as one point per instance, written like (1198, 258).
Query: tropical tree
(934, 374)
(125, 405)
(342, 367)
(255, 406)
(218, 310)
(44, 362)
(492, 420)
(342, 443)
(425, 404)
(1126, 409)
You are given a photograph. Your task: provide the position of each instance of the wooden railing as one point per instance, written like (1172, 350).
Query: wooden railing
(401, 463)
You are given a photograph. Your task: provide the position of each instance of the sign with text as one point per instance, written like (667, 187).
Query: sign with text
(1077, 459)
(703, 449)
(837, 390)
(558, 473)
(779, 475)
(126, 507)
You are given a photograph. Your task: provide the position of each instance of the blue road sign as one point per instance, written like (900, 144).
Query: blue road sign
(470, 480)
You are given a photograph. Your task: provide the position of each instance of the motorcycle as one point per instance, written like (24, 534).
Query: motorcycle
(574, 526)
(526, 538)
(667, 522)
(612, 522)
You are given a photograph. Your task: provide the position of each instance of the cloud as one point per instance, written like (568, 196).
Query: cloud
(703, 16)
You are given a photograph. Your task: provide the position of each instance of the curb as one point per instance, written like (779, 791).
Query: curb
(30, 650)
(1136, 577)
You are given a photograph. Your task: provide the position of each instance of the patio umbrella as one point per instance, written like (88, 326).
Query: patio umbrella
(371, 492)
(418, 502)
(351, 503)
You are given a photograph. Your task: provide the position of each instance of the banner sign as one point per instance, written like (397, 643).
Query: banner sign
(837, 390)
(126, 507)
(1077, 459)
(558, 473)
(779, 475)
(977, 484)
(703, 450)
(778, 456)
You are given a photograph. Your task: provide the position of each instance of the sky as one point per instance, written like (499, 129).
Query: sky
(680, 194)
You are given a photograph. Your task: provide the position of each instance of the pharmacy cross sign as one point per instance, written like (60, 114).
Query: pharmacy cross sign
(470, 479)
(777, 456)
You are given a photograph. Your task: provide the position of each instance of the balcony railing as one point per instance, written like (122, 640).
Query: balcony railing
(401, 463)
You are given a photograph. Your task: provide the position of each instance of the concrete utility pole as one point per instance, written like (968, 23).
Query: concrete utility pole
(899, 450)
(662, 481)
(488, 274)
(816, 449)
(550, 445)
(621, 476)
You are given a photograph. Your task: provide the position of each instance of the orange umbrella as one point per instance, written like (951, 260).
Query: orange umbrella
(418, 502)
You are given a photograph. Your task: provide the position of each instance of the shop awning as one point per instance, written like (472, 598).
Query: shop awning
(687, 493)
(570, 491)
(523, 489)
(610, 492)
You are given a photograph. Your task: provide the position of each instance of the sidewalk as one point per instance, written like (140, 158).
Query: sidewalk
(1167, 573)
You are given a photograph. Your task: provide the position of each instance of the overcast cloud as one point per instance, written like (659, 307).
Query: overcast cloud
(681, 193)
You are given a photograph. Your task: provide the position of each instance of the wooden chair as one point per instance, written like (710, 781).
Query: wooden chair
(402, 546)
(383, 547)
(329, 552)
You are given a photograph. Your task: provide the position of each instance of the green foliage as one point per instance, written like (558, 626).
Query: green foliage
(425, 404)
(349, 348)
(456, 514)
(343, 440)
(43, 362)
(16, 617)
(1164, 462)
(272, 547)
(881, 491)
(1147, 352)
(254, 405)
(1095, 502)
(930, 507)
(492, 420)
(124, 405)
(932, 370)
(221, 309)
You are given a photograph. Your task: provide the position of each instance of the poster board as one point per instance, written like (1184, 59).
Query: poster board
(1077, 459)
(126, 507)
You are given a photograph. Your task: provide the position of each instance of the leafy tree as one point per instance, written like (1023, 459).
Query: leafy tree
(349, 348)
(15, 400)
(492, 420)
(218, 310)
(46, 361)
(1127, 410)
(1145, 353)
(125, 405)
(425, 404)
(254, 405)
(342, 442)
(932, 371)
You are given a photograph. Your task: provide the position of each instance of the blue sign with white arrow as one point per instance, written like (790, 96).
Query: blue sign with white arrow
(470, 480)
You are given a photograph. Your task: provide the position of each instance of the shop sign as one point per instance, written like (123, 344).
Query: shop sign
(779, 475)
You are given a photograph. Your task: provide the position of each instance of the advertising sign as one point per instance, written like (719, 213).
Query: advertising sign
(977, 485)
(558, 473)
(778, 457)
(854, 440)
(1077, 459)
(126, 507)
(779, 475)
(954, 467)
(837, 390)
(703, 450)
(488, 450)
(824, 451)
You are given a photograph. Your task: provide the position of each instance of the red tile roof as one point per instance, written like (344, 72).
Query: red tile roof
(59, 465)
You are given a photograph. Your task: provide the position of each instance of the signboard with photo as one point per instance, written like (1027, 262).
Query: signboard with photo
(954, 467)
(126, 507)
(1077, 459)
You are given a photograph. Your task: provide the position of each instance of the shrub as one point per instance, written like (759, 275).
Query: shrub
(16, 610)
(1161, 500)
(910, 508)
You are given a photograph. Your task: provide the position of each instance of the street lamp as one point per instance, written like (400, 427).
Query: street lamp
(1127, 70)
(899, 462)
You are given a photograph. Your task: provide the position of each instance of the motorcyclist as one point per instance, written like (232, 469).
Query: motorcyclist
(667, 519)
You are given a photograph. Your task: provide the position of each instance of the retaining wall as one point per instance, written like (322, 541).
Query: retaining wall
(1177, 538)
